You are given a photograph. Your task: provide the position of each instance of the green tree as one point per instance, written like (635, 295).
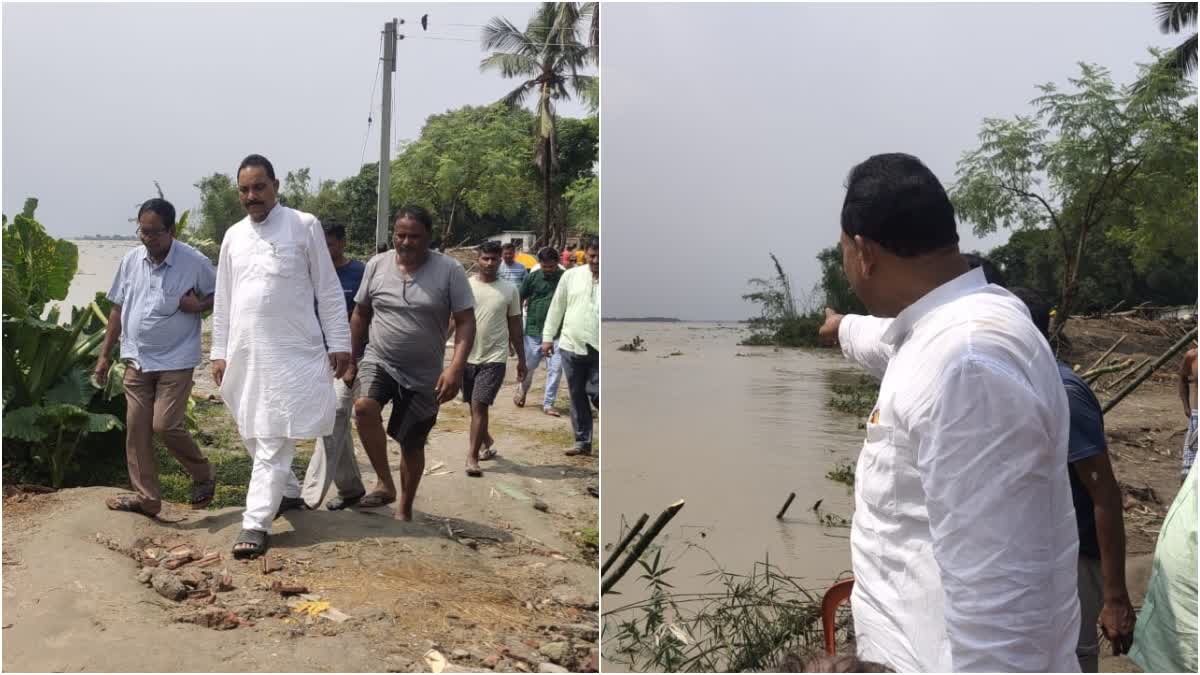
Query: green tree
(583, 204)
(834, 285)
(296, 190)
(219, 206)
(359, 200)
(1073, 166)
(468, 162)
(547, 57)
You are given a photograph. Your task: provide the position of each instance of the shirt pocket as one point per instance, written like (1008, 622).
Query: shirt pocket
(279, 260)
(874, 476)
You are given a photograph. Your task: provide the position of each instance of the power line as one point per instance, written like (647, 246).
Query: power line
(371, 103)
(524, 42)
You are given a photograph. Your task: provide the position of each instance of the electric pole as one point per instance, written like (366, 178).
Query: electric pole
(385, 127)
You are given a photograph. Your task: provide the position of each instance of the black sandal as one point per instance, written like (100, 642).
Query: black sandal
(338, 503)
(256, 538)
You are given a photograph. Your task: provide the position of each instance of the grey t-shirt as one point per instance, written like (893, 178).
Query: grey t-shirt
(411, 319)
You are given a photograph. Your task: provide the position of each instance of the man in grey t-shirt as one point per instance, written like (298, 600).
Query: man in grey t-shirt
(404, 305)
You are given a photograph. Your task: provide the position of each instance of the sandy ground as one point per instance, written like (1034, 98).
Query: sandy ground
(482, 576)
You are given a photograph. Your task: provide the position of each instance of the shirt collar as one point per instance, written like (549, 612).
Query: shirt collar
(962, 285)
(169, 260)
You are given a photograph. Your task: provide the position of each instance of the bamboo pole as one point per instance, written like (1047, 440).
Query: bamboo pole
(637, 527)
(779, 516)
(1126, 376)
(1175, 349)
(641, 546)
(1105, 355)
(1096, 373)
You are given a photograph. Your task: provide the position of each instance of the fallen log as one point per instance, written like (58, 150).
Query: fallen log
(637, 527)
(640, 548)
(1124, 377)
(1166, 356)
(1096, 373)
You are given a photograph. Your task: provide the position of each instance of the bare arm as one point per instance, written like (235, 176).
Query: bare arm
(1117, 618)
(464, 338)
(360, 323)
(111, 334)
(517, 340)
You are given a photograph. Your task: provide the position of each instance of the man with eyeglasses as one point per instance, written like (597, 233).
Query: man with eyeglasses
(401, 319)
(160, 290)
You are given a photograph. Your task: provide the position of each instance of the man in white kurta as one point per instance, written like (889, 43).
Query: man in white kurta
(964, 544)
(273, 356)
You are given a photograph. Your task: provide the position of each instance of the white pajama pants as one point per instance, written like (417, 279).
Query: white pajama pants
(271, 479)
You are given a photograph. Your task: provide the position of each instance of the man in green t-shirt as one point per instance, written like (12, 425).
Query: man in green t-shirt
(497, 325)
(538, 291)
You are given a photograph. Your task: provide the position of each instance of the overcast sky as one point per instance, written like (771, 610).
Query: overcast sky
(728, 130)
(100, 100)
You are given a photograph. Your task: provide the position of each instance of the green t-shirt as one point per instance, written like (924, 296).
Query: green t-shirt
(538, 289)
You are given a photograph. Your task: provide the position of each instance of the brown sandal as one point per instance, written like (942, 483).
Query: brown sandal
(128, 503)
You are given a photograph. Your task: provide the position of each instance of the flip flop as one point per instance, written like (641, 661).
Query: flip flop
(475, 472)
(552, 412)
(203, 493)
(488, 453)
(519, 398)
(375, 500)
(258, 541)
(338, 503)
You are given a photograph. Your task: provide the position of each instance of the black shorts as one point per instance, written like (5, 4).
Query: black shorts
(413, 413)
(482, 382)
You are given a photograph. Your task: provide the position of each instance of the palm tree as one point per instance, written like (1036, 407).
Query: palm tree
(1176, 17)
(547, 57)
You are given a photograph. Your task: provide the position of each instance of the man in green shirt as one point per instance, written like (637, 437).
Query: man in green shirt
(537, 291)
(576, 310)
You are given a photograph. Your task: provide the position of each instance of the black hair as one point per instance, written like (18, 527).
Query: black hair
(509, 245)
(1039, 309)
(897, 202)
(548, 254)
(336, 229)
(415, 213)
(591, 242)
(163, 208)
(990, 271)
(260, 161)
(492, 247)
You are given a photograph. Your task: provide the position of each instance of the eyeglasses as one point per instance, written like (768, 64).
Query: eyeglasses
(150, 234)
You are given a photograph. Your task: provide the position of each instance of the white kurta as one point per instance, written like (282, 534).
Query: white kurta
(277, 374)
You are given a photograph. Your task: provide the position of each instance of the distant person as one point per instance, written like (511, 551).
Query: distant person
(159, 293)
(575, 310)
(511, 270)
(273, 356)
(404, 306)
(497, 326)
(580, 256)
(964, 543)
(1099, 514)
(1187, 393)
(1166, 637)
(568, 256)
(333, 458)
(538, 292)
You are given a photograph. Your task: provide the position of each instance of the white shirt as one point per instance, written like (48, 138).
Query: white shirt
(277, 375)
(964, 544)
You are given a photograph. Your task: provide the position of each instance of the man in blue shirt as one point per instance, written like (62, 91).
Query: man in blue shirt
(511, 270)
(337, 451)
(1099, 514)
(159, 293)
